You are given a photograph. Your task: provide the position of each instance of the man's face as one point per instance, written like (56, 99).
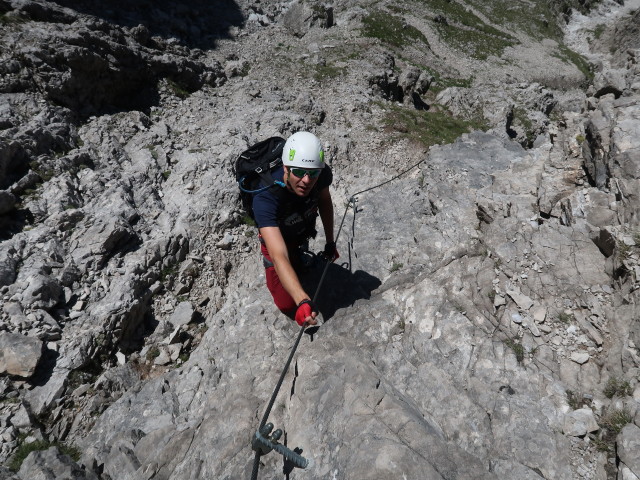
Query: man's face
(302, 180)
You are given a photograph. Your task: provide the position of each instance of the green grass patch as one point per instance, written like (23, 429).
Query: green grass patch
(599, 30)
(167, 272)
(564, 317)
(11, 19)
(569, 56)
(24, 449)
(536, 18)
(395, 267)
(247, 220)
(517, 349)
(327, 72)
(617, 388)
(391, 29)
(611, 424)
(574, 400)
(153, 353)
(425, 127)
(177, 89)
(466, 31)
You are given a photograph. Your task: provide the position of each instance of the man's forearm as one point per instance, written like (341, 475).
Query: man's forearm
(289, 280)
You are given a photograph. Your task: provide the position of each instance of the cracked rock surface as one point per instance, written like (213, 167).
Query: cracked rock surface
(481, 321)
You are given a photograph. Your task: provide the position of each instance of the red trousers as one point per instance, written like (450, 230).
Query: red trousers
(280, 296)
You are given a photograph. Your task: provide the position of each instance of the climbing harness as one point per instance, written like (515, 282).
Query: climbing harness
(263, 442)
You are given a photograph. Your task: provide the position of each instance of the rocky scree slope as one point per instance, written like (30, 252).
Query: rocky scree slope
(482, 323)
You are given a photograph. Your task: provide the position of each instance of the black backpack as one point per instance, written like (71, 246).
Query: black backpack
(256, 164)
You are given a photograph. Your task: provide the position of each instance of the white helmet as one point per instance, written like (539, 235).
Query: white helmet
(303, 149)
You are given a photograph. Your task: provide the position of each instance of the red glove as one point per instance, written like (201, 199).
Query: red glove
(330, 252)
(305, 308)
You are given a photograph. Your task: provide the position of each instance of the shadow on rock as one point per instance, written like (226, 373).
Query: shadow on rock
(45, 367)
(194, 23)
(340, 288)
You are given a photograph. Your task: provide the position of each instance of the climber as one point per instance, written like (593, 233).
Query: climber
(286, 220)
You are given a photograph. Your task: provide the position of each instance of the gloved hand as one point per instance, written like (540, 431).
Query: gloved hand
(304, 311)
(330, 252)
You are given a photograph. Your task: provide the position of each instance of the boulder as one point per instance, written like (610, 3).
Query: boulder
(19, 354)
(579, 422)
(628, 446)
(52, 464)
(182, 315)
(43, 292)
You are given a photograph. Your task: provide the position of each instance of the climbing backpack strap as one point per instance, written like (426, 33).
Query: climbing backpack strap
(256, 163)
(254, 167)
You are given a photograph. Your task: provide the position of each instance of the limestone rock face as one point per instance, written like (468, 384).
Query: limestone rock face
(51, 464)
(481, 321)
(19, 355)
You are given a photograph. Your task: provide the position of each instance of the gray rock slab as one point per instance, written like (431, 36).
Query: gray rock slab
(578, 423)
(628, 446)
(51, 464)
(19, 354)
(182, 315)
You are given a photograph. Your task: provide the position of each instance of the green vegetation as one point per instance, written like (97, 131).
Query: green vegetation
(611, 425)
(521, 118)
(599, 30)
(564, 317)
(177, 89)
(153, 353)
(152, 151)
(167, 272)
(536, 18)
(395, 267)
(244, 71)
(617, 388)
(463, 30)
(517, 348)
(327, 72)
(24, 449)
(616, 419)
(623, 249)
(426, 127)
(247, 220)
(166, 174)
(44, 173)
(569, 56)
(574, 400)
(8, 19)
(391, 30)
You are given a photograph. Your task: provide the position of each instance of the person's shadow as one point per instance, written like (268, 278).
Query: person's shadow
(340, 287)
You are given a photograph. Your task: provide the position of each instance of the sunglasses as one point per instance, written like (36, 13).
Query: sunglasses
(301, 172)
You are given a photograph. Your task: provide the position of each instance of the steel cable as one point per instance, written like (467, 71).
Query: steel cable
(350, 202)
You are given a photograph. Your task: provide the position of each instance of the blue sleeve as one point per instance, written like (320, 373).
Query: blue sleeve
(265, 209)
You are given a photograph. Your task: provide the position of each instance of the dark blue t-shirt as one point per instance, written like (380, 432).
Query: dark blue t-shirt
(287, 210)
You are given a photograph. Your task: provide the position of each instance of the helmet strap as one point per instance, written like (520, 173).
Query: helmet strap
(286, 180)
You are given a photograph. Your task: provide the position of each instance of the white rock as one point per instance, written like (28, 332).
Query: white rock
(121, 358)
(579, 422)
(523, 302)
(579, 357)
(539, 314)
